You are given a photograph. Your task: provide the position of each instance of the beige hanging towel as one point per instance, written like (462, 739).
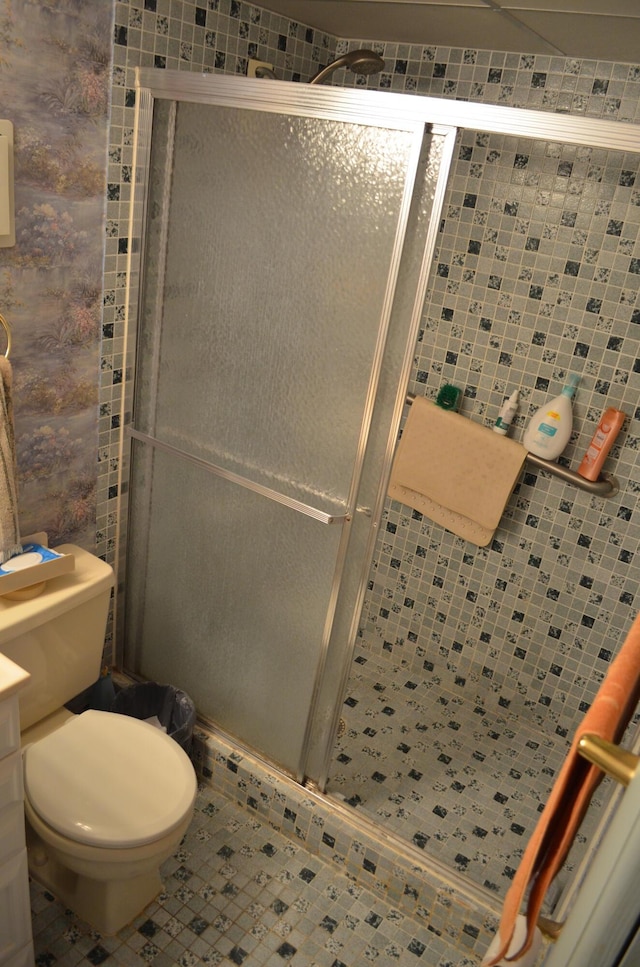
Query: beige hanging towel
(9, 529)
(458, 473)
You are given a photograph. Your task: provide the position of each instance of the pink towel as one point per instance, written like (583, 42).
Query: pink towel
(569, 799)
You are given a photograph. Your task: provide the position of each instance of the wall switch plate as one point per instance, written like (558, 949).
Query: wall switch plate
(253, 64)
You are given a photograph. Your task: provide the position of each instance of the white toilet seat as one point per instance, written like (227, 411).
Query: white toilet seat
(109, 780)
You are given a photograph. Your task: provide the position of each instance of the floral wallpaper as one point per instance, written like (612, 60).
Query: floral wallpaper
(55, 73)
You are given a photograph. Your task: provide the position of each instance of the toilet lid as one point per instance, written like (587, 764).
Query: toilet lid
(109, 780)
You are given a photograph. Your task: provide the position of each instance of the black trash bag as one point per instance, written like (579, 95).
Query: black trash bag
(171, 706)
(102, 694)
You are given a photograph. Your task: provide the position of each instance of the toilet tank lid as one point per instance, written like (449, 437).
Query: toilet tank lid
(90, 578)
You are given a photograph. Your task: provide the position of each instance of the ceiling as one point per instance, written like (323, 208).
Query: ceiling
(593, 29)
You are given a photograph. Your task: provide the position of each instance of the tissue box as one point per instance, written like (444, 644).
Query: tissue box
(35, 564)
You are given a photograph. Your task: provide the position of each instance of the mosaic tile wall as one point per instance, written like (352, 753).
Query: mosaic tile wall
(534, 81)
(536, 277)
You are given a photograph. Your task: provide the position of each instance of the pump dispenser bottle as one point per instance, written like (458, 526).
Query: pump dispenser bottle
(550, 427)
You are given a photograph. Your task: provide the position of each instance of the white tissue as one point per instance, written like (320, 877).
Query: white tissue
(519, 937)
(154, 720)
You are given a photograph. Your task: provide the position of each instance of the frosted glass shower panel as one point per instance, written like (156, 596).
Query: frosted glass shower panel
(282, 241)
(227, 594)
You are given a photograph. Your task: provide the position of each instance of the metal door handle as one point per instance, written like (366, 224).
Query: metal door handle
(616, 762)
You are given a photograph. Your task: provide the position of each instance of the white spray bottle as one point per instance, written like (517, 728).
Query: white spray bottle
(507, 413)
(550, 427)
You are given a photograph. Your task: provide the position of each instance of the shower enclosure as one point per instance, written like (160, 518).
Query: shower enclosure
(282, 238)
(286, 248)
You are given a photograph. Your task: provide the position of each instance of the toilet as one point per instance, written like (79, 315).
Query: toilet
(107, 797)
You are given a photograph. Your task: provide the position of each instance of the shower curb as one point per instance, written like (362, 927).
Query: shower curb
(336, 836)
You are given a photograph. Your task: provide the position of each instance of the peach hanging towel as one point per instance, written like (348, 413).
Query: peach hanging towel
(456, 472)
(609, 715)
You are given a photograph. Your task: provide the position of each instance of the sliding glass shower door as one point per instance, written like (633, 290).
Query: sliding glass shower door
(271, 252)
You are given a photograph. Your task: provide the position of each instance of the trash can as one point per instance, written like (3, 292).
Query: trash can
(172, 707)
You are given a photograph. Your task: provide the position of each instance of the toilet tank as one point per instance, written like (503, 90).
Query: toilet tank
(58, 637)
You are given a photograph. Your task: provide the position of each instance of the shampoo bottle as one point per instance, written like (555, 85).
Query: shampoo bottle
(550, 427)
(603, 439)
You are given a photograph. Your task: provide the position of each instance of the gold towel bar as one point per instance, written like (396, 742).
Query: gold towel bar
(7, 328)
(605, 486)
(616, 762)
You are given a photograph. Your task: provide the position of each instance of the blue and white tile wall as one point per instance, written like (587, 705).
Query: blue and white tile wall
(535, 276)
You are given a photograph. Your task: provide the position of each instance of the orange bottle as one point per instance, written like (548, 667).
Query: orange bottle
(603, 439)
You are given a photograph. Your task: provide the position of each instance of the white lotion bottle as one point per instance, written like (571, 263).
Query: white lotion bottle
(550, 427)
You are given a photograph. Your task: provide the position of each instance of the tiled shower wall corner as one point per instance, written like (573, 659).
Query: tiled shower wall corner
(536, 274)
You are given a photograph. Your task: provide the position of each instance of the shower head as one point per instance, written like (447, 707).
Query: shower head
(359, 61)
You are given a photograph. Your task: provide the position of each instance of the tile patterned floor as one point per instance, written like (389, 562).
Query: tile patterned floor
(460, 776)
(239, 892)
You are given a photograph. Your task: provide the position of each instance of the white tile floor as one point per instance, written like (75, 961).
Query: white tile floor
(238, 892)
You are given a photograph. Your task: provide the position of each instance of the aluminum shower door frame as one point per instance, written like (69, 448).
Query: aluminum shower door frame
(369, 107)
(285, 99)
